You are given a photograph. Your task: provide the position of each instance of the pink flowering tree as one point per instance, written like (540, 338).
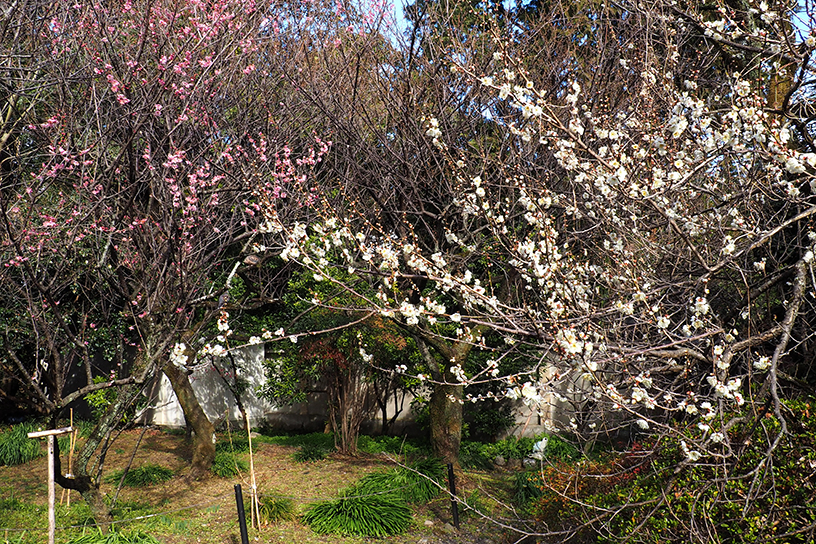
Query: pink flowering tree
(138, 146)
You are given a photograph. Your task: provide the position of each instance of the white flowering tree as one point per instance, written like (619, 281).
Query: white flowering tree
(645, 237)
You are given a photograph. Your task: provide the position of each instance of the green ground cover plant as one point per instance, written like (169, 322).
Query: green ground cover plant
(233, 445)
(308, 453)
(369, 516)
(273, 509)
(322, 440)
(114, 537)
(417, 484)
(396, 445)
(228, 464)
(15, 446)
(145, 475)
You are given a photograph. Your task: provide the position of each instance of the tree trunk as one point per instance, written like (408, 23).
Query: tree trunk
(89, 490)
(446, 398)
(91, 457)
(204, 437)
(446, 422)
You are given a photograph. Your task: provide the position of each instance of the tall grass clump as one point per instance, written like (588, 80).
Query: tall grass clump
(388, 444)
(309, 452)
(273, 509)
(416, 484)
(321, 440)
(236, 445)
(227, 464)
(370, 516)
(145, 475)
(16, 448)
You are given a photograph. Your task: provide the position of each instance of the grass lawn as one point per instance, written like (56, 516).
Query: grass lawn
(179, 512)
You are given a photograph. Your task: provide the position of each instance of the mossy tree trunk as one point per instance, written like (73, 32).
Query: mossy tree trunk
(446, 421)
(446, 398)
(203, 429)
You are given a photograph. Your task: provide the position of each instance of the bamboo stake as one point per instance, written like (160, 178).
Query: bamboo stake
(70, 474)
(255, 510)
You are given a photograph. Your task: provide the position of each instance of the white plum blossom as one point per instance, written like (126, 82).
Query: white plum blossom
(177, 356)
(763, 363)
(701, 306)
(692, 456)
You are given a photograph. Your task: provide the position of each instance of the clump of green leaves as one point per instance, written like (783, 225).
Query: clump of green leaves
(417, 484)
(147, 474)
(369, 516)
(309, 452)
(101, 399)
(114, 537)
(15, 446)
(227, 464)
(272, 509)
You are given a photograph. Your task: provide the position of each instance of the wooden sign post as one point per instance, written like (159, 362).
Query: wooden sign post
(52, 521)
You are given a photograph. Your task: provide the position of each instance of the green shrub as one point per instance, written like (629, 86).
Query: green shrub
(481, 456)
(272, 509)
(377, 516)
(101, 399)
(147, 474)
(652, 492)
(560, 450)
(15, 446)
(85, 427)
(418, 486)
(489, 420)
(227, 464)
(309, 452)
(114, 537)
(475, 455)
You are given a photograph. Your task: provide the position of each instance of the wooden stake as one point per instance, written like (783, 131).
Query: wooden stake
(52, 520)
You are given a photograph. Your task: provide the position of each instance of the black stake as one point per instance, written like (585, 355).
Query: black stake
(239, 502)
(454, 504)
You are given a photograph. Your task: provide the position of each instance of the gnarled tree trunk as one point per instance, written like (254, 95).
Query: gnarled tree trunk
(204, 437)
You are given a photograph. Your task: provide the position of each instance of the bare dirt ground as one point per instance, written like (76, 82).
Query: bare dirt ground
(183, 512)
